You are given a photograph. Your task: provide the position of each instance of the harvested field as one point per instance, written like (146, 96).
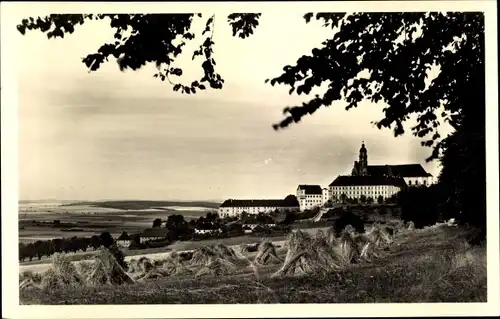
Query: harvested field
(421, 265)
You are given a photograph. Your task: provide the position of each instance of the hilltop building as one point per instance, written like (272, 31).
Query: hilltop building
(366, 185)
(235, 207)
(377, 180)
(310, 196)
(413, 174)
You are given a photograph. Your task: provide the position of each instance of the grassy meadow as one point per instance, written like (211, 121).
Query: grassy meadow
(434, 264)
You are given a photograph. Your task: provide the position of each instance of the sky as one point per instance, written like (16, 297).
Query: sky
(126, 135)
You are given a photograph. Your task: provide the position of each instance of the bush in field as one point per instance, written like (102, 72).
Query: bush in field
(95, 242)
(348, 218)
(157, 223)
(380, 199)
(420, 205)
(106, 239)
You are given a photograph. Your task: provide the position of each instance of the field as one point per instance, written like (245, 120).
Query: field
(430, 265)
(155, 253)
(97, 217)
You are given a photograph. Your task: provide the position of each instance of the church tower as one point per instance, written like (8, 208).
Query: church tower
(363, 160)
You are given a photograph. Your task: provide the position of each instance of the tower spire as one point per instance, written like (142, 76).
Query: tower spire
(363, 159)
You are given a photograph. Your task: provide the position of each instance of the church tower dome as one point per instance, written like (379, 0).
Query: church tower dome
(363, 160)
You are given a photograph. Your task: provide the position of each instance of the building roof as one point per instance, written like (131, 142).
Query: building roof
(405, 170)
(367, 180)
(311, 189)
(259, 203)
(154, 232)
(124, 236)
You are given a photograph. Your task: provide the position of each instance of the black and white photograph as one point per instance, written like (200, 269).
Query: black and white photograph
(249, 153)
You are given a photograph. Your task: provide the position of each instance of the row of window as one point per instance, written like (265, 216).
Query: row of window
(360, 187)
(417, 183)
(315, 196)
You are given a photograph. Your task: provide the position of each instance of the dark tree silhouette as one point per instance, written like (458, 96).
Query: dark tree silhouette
(380, 199)
(95, 242)
(362, 199)
(157, 223)
(343, 198)
(292, 200)
(211, 216)
(395, 50)
(419, 205)
(106, 239)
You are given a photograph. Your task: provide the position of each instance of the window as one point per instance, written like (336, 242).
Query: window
(409, 183)
(425, 182)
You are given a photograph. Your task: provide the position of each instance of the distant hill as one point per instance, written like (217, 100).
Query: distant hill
(43, 201)
(144, 204)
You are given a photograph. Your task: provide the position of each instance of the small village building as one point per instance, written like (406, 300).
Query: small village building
(208, 228)
(236, 207)
(123, 240)
(154, 234)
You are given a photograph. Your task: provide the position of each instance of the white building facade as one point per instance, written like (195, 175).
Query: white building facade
(311, 196)
(236, 207)
(354, 187)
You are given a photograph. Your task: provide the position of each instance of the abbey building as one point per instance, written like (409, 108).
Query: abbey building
(377, 181)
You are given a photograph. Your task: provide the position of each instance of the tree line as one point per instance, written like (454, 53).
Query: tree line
(41, 248)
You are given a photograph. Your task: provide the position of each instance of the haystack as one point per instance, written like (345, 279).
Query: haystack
(242, 249)
(266, 253)
(107, 270)
(410, 225)
(145, 264)
(389, 230)
(217, 267)
(398, 226)
(62, 274)
(132, 266)
(202, 256)
(348, 229)
(369, 243)
(84, 268)
(29, 280)
(379, 236)
(30, 275)
(307, 255)
(330, 236)
(145, 268)
(173, 266)
(225, 252)
(347, 249)
(323, 246)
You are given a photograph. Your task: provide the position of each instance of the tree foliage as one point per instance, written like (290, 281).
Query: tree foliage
(378, 57)
(140, 39)
(157, 223)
